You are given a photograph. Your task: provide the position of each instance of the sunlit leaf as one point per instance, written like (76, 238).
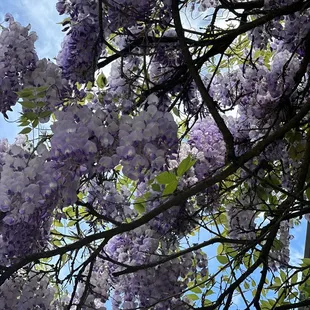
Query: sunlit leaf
(166, 177)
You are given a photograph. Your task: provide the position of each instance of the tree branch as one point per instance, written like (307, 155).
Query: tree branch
(228, 138)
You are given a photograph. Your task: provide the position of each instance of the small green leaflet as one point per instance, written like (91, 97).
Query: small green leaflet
(246, 285)
(140, 202)
(166, 178)
(66, 20)
(308, 192)
(170, 181)
(25, 131)
(139, 207)
(192, 296)
(30, 116)
(57, 224)
(101, 81)
(26, 92)
(185, 165)
(277, 244)
(45, 114)
(176, 112)
(156, 187)
(222, 259)
(305, 262)
(196, 290)
(170, 188)
(28, 104)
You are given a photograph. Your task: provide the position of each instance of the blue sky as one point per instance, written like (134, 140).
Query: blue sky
(43, 17)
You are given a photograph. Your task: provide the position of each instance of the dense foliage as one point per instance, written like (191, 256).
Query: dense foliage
(163, 141)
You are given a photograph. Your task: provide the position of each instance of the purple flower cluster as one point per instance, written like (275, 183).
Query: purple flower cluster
(280, 253)
(110, 202)
(209, 146)
(167, 58)
(46, 76)
(257, 93)
(129, 13)
(145, 140)
(153, 286)
(81, 46)
(241, 220)
(283, 33)
(126, 13)
(28, 192)
(139, 143)
(27, 292)
(17, 57)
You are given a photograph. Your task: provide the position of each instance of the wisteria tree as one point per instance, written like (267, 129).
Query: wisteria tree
(161, 142)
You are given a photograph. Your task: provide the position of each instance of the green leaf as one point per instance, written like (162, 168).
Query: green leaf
(57, 243)
(265, 305)
(305, 262)
(40, 95)
(30, 116)
(118, 168)
(89, 85)
(80, 195)
(222, 259)
(222, 219)
(261, 193)
(101, 81)
(71, 223)
(26, 92)
(277, 244)
(283, 275)
(207, 302)
(66, 20)
(35, 123)
(196, 290)
(64, 258)
(192, 297)
(139, 207)
(176, 111)
(308, 193)
(246, 285)
(281, 295)
(185, 165)
(292, 152)
(220, 249)
(45, 114)
(57, 223)
(41, 88)
(156, 187)
(28, 104)
(23, 124)
(25, 131)
(166, 178)
(89, 96)
(170, 188)
(294, 278)
(69, 211)
(209, 292)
